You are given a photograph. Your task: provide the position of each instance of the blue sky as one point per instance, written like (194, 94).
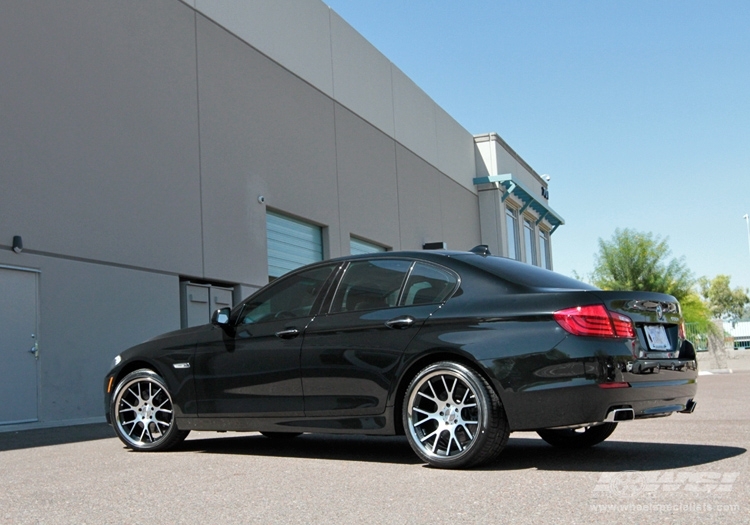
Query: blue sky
(638, 110)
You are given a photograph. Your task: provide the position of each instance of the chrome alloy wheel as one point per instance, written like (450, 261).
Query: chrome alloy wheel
(143, 412)
(443, 415)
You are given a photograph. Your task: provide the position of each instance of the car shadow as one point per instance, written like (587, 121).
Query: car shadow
(43, 437)
(610, 456)
(386, 449)
(519, 454)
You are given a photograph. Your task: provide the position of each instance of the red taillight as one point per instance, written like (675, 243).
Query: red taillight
(595, 321)
(681, 331)
(623, 325)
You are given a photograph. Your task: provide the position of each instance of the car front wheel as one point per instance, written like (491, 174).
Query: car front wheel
(577, 437)
(143, 413)
(452, 417)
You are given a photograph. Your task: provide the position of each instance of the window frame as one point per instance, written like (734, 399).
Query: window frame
(511, 215)
(529, 242)
(546, 247)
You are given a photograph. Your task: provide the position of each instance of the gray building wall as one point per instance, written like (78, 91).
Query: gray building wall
(136, 137)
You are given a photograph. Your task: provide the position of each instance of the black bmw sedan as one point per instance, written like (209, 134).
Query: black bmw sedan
(454, 349)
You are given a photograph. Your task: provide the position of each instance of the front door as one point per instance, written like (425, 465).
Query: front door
(251, 372)
(251, 367)
(18, 346)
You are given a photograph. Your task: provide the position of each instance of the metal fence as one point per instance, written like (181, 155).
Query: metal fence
(698, 337)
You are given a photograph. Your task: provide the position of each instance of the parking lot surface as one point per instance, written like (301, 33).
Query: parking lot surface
(680, 469)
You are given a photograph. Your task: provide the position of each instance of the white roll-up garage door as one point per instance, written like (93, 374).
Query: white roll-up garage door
(291, 243)
(358, 247)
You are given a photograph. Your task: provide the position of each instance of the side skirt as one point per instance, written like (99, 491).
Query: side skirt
(375, 425)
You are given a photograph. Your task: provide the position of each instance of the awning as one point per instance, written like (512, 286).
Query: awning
(522, 193)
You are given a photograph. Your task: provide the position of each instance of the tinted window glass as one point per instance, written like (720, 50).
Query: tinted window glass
(369, 285)
(524, 274)
(428, 284)
(289, 297)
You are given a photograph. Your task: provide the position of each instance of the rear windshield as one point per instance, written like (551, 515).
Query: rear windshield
(523, 274)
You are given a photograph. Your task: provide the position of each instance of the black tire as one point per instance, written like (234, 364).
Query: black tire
(453, 418)
(281, 435)
(579, 437)
(142, 413)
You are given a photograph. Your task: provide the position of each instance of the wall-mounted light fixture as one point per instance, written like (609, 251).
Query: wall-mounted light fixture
(17, 244)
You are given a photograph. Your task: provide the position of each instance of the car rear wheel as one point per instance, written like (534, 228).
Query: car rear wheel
(577, 437)
(453, 418)
(143, 414)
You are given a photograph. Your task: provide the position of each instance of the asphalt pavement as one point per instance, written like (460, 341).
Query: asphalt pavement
(680, 469)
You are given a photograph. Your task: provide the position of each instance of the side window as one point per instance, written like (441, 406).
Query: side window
(428, 284)
(287, 298)
(370, 285)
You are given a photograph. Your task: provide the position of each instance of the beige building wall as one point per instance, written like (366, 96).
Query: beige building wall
(137, 138)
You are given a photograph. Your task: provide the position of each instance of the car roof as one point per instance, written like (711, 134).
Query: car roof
(516, 272)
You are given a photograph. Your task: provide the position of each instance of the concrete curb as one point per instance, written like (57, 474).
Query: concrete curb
(715, 372)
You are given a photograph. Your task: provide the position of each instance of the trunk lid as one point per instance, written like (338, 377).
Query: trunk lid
(657, 318)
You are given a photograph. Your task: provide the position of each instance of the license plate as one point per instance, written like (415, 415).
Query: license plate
(657, 337)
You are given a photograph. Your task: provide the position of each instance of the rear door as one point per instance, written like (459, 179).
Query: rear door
(350, 354)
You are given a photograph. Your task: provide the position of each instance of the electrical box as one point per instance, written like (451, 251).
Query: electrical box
(199, 301)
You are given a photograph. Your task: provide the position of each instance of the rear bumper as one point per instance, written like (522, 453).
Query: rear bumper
(578, 405)
(582, 379)
(580, 392)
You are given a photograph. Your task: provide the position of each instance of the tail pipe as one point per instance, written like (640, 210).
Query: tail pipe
(620, 414)
(689, 407)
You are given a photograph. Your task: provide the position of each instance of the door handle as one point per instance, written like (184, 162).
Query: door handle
(289, 333)
(35, 350)
(400, 323)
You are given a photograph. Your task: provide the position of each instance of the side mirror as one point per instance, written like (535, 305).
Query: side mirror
(221, 317)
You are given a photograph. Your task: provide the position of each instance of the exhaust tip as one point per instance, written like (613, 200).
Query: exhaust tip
(689, 407)
(620, 414)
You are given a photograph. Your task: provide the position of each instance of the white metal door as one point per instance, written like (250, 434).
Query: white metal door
(18, 346)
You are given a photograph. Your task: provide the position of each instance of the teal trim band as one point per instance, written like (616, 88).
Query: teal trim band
(508, 191)
(526, 196)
